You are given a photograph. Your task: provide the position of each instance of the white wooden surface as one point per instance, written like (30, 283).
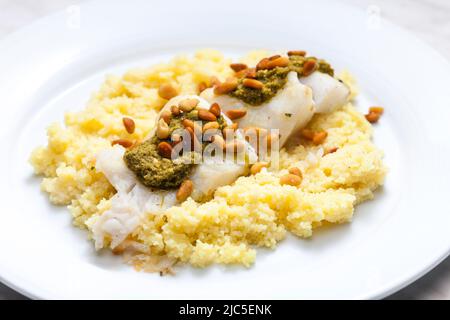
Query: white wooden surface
(428, 19)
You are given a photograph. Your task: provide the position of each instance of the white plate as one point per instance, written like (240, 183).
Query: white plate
(52, 66)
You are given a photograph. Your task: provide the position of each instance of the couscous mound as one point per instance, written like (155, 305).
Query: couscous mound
(254, 211)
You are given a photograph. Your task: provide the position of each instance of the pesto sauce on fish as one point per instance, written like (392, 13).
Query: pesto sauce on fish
(156, 171)
(275, 79)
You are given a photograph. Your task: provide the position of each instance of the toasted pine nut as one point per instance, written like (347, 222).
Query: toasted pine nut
(129, 124)
(185, 190)
(123, 142)
(188, 123)
(291, 179)
(307, 134)
(319, 137)
(263, 64)
(187, 105)
(253, 83)
(297, 53)
(226, 87)
(175, 110)
(250, 73)
(241, 73)
(376, 109)
(257, 167)
(202, 86)
(167, 91)
(194, 140)
(234, 114)
(274, 57)
(278, 62)
(191, 132)
(373, 117)
(331, 150)
(215, 109)
(296, 171)
(238, 66)
(309, 67)
(165, 150)
(162, 131)
(218, 140)
(211, 125)
(205, 115)
(166, 115)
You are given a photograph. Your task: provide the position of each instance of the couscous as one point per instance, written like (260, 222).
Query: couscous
(322, 173)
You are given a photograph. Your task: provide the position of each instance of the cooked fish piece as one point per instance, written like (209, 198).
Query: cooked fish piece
(289, 110)
(328, 92)
(133, 200)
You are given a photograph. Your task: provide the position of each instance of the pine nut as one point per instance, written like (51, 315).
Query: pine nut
(226, 87)
(194, 140)
(202, 87)
(165, 150)
(211, 126)
(238, 66)
(296, 171)
(331, 150)
(167, 91)
(274, 57)
(253, 83)
(278, 62)
(234, 114)
(162, 131)
(373, 117)
(257, 167)
(215, 109)
(188, 123)
(263, 64)
(307, 134)
(319, 137)
(376, 109)
(291, 180)
(251, 73)
(309, 67)
(129, 124)
(187, 105)
(123, 142)
(185, 190)
(166, 115)
(175, 110)
(297, 53)
(204, 114)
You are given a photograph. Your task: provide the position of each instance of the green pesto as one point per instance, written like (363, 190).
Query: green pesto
(275, 79)
(155, 171)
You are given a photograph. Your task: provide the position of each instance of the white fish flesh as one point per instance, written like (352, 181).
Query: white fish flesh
(328, 92)
(289, 110)
(133, 200)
